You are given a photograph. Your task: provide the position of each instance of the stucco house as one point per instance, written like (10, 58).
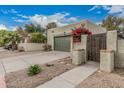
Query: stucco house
(60, 38)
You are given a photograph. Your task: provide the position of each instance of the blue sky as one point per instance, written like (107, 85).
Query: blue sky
(12, 16)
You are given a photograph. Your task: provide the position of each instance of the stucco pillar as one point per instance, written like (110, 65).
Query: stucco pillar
(78, 56)
(112, 40)
(52, 44)
(107, 60)
(84, 45)
(71, 44)
(112, 43)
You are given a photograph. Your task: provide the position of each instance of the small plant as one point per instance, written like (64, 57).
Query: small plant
(33, 70)
(47, 47)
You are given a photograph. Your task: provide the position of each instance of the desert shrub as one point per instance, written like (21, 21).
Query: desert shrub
(33, 70)
(47, 47)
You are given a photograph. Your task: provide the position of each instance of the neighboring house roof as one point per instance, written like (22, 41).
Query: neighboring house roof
(95, 29)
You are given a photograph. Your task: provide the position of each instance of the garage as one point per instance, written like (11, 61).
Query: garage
(62, 43)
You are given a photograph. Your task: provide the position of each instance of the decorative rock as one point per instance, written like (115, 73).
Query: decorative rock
(49, 65)
(62, 62)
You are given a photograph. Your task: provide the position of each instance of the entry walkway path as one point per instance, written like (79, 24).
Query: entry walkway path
(73, 77)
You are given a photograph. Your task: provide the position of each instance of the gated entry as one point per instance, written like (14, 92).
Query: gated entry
(94, 44)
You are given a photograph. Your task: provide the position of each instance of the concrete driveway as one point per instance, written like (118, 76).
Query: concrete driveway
(20, 62)
(1, 49)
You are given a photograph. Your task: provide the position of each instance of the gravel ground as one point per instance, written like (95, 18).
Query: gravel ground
(104, 80)
(20, 79)
(7, 53)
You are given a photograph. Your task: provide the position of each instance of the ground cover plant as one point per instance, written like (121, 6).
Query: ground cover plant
(33, 70)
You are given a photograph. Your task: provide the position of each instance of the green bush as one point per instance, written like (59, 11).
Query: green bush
(7, 37)
(33, 70)
(37, 38)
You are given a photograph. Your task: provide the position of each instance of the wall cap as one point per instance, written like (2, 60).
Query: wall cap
(107, 51)
(78, 49)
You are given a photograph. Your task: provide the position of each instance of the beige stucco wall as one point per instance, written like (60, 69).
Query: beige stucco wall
(30, 46)
(65, 30)
(57, 32)
(120, 53)
(113, 43)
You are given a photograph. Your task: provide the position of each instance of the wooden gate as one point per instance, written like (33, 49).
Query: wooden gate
(94, 44)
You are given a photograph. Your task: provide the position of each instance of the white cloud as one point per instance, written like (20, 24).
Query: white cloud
(70, 20)
(98, 23)
(3, 27)
(9, 11)
(23, 16)
(60, 18)
(93, 8)
(19, 20)
(121, 15)
(104, 7)
(13, 11)
(9, 28)
(116, 9)
(12, 28)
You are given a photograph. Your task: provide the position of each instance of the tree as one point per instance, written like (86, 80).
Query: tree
(18, 29)
(122, 25)
(30, 28)
(37, 37)
(51, 25)
(40, 29)
(112, 23)
(22, 33)
(8, 36)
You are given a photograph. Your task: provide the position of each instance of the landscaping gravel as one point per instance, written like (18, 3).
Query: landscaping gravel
(104, 80)
(20, 79)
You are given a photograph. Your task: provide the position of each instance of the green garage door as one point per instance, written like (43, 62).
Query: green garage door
(62, 43)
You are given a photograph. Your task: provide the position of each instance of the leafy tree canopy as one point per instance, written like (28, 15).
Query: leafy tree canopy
(37, 37)
(113, 23)
(30, 28)
(51, 25)
(8, 36)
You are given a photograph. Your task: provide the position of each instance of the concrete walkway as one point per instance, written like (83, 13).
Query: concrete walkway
(73, 77)
(20, 62)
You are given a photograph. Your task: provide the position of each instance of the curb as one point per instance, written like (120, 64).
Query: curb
(2, 82)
